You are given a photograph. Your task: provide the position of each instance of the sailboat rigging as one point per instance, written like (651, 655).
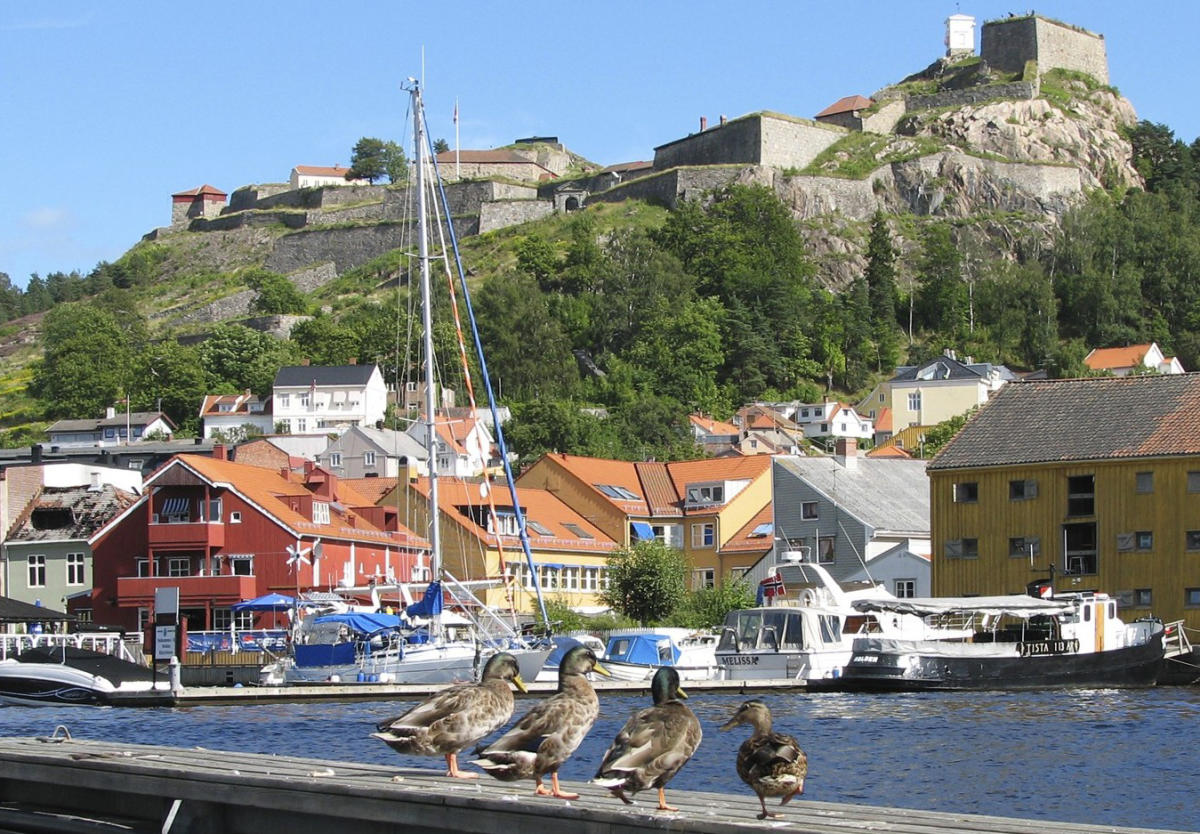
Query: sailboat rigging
(380, 651)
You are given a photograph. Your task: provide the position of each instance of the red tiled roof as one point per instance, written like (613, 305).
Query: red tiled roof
(1102, 359)
(711, 426)
(883, 420)
(202, 191)
(889, 451)
(846, 105)
(322, 170)
(660, 492)
(744, 541)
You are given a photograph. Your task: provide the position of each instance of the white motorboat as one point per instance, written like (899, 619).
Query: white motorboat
(53, 675)
(635, 654)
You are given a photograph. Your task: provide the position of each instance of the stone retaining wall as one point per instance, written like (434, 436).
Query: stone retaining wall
(972, 95)
(499, 214)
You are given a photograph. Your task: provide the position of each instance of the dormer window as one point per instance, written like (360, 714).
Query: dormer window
(706, 494)
(320, 512)
(225, 408)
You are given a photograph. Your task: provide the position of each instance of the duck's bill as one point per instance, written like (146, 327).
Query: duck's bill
(679, 693)
(601, 670)
(519, 684)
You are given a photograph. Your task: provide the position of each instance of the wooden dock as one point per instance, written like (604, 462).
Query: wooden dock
(85, 787)
(197, 695)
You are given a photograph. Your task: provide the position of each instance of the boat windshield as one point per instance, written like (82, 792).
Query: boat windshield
(762, 629)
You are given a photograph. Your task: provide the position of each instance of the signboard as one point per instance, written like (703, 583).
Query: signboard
(164, 642)
(166, 604)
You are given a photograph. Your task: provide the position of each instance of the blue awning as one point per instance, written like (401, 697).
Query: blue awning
(175, 506)
(549, 565)
(642, 531)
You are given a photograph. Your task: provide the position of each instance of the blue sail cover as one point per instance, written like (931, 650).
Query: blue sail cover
(429, 605)
(647, 649)
(362, 623)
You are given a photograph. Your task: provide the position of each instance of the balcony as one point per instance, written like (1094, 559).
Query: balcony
(193, 590)
(192, 535)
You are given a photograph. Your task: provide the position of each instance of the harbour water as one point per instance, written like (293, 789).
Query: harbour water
(1114, 757)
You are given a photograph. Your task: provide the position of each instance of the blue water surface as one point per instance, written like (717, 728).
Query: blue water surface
(1111, 757)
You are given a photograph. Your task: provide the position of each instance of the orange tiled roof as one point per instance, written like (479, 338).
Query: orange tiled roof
(202, 191)
(322, 170)
(372, 489)
(269, 490)
(744, 540)
(883, 420)
(659, 490)
(1102, 359)
(538, 505)
(601, 471)
(846, 104)
(711, 426)
(891, 450)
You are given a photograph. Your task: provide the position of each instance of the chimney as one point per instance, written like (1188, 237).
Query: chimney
(219, 452)
(35, 453)
(723, 119)
(285, 472)
(110, 413)
(845, 452)
(304, 362)
(703, 123)
(353, 360)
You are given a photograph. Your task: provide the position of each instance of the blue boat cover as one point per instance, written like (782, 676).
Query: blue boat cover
(363, 623)
(429, 605)
(648, 649)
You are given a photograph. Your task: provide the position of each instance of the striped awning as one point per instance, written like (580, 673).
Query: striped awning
(175, 506)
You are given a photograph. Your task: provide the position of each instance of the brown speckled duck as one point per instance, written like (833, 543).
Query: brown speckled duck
(772, 764)
(449, 722)
(549, 733)
(654, 743)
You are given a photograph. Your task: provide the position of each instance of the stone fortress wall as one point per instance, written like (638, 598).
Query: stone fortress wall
(1007, 44)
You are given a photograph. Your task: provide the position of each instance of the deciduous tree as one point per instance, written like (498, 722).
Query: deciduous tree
(646, 581)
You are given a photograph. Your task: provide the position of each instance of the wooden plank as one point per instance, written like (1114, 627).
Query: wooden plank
(253, 793)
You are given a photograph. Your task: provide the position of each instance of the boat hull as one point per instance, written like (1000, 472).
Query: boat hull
(889, 669)
(1181, 669)
(623, 671)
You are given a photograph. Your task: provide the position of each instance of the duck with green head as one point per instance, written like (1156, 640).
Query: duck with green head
(654, 743)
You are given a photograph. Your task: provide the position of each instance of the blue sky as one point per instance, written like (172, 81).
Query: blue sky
(109, 108)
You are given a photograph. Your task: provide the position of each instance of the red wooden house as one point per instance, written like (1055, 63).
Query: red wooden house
(223, 532)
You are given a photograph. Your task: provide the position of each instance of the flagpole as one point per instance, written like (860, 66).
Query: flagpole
(457, 173)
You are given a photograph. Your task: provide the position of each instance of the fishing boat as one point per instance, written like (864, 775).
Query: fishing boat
(415, 645)
(1016, 642)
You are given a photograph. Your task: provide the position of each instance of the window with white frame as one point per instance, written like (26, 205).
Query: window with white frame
(214, 509)
(704, 579)
(704, 534)
(808, 510)
(669, 534)
(914, 402)
(37, 571)
(320, 512)
(368, 458)
(335, 458)
(570, 578)
(74, 568)
(301, 425)
(241, 564)
(305, 400)
(143, 619)
(706, 494)
(591, 578)
(905, 588)
(226, 618)
(825, 553)
(284, 401)
(179, 566)
(141, 566)
(235, 518)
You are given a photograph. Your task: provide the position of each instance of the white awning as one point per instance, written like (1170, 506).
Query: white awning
(1016, 605)
(175, 506)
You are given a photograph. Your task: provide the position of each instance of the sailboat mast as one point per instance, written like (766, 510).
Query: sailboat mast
(435, 538)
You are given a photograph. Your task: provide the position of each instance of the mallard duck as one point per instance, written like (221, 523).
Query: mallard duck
(549, 733)
(772, 764)
(654, 743)
(449, 722)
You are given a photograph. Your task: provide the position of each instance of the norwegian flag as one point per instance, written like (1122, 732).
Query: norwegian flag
(771, 587)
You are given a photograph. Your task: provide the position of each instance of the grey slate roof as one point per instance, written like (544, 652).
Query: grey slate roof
(294, 376)
(943, 367)
(15, 611)
(67, 513)
(392, 442)
(890, 495)
(1080, 419)
(137, 418)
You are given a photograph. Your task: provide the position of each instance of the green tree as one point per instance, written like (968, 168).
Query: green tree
(236, 358)
(325, 341)
(86, 361)
(368, 160)
(884, 298)
(942, 296)
(276, 295)
(440, 146)
(538, 259)
(168, 377)
(395, 163)
(939, 435)
(539, 426)
(707, 607)
(647, 581)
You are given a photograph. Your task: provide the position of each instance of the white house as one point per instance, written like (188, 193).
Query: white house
(231, 415)
(1122, 361)
(936, 390)
(831, 419)
(464, 445)
(316, 176)
(328, 398)
(111, 430)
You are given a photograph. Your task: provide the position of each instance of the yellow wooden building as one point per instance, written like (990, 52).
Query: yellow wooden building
(1099, 478)
(570, 553)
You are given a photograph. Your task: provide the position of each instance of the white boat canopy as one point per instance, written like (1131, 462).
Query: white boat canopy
(1014, 605)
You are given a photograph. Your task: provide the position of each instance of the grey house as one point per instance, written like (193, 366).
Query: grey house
(47, 555)
(362, 452)
(857, 516)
